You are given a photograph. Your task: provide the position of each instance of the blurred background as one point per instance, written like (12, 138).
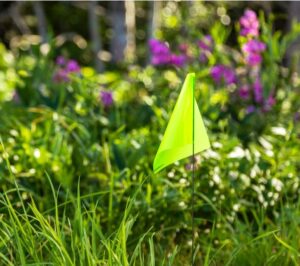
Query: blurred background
(104, 34)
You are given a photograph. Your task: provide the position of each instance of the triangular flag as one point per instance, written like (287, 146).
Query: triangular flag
(182, 132)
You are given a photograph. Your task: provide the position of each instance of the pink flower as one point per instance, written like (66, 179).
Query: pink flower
(249, 24)
(72, 66)
(244, 92)
(253, 46)
(253, 50)
(253, 59)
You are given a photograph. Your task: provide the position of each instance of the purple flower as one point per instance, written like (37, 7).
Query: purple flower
(206, 43)
(160, 59)
(64, 69)
(72, 66)
(106, 98)
(61, 76)
(258, 91)
(160, 52)
(249, 23)
(217, 73)
(229, 76)
(60, 60)
(158, 47)
(253, 59)
(178, 60)
(250, 109)
(252, 50)
(254, 46)
(225, 73)
(244, 92)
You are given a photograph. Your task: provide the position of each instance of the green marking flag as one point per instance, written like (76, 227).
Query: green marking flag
(182, 132)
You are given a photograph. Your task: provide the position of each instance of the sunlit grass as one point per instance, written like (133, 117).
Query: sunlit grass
(53, 237)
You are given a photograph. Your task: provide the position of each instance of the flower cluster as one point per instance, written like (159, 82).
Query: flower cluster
(249, 84)
(223, 73)
(162, 55)
(256, 89)
(249, 24)
(252, 50)
(65, 69)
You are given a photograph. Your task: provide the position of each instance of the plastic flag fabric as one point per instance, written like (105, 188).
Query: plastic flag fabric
(185, 134)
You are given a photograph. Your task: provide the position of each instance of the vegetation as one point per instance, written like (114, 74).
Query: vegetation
(77, 147)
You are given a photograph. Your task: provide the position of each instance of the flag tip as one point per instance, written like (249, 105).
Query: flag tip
(191, 75)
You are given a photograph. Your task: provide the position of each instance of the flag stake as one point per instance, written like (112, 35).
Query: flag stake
(193, 169)
(183, 138)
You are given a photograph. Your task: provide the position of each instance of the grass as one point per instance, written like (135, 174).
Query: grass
(55, 237)
(75, 231)
(30, 237)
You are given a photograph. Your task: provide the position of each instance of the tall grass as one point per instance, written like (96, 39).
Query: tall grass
(31, 237)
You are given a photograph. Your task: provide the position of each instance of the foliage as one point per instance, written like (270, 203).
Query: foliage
(77, 147)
